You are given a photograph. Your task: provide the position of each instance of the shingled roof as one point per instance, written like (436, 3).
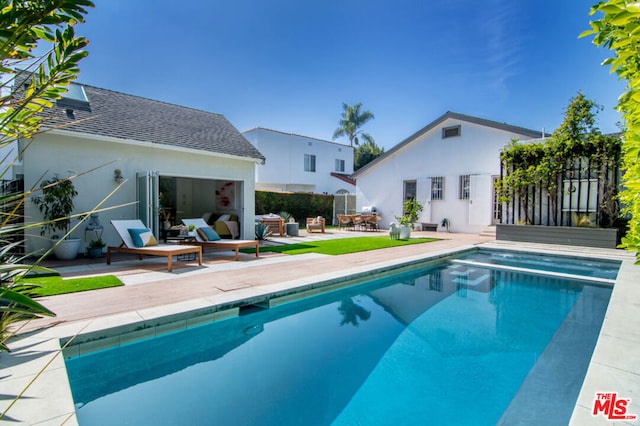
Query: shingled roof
(123, 116)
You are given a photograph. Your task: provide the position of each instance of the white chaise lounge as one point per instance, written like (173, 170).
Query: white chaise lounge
(220, 244)
(128, 246)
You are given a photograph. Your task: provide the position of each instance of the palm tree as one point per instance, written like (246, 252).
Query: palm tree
(352, 120)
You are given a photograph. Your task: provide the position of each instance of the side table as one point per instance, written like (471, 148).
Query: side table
(183, 240)
(292, 229)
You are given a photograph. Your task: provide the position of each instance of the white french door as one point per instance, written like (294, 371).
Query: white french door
(480, 200)
(424, 197)
(148, 199)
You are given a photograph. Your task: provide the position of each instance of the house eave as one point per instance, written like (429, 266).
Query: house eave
(345, 178)
(448, 115)
(133, 142)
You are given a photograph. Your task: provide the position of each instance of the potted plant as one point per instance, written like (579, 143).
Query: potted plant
(94, 250)
(412, 209)
(192, 232)
(56, 205)
(117, 175)
(262, 231)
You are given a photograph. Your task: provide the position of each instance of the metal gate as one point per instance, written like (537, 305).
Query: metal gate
(343, 204)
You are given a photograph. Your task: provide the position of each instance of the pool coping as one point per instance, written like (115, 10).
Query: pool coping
(48, 400)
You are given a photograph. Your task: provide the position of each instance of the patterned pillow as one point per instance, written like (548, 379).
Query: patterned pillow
(142, 237)
(208, 234)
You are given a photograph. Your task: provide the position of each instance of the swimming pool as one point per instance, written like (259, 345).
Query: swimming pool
(448, 344)
(602, 269)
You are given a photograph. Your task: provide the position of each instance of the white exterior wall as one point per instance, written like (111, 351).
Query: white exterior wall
(284, 166)
(63, 154)
(476, 153)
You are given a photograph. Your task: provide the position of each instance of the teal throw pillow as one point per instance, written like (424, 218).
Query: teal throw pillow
(208, 234)
(142, 237)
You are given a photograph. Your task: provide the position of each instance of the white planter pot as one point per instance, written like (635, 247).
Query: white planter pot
(405, 232)
(66, 249)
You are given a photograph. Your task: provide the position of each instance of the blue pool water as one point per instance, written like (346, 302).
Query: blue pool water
(448, 344)
(587, 267)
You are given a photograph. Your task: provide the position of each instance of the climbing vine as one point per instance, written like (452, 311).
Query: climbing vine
(577, 149)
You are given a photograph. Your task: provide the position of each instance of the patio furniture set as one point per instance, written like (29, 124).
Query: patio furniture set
(138, 239)
(359, 222)
(281, 228)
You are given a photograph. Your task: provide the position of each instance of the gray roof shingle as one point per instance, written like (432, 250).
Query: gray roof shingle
(119, 115)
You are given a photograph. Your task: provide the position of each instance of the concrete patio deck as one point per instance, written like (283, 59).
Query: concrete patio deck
(151, 294)
(148, 284)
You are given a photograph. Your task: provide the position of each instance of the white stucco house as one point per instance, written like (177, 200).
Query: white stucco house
(175, 162)
(298, 163)
(449, 166)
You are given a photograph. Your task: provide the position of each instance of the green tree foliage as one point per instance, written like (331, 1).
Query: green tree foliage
(25, 25)
(619, 31)
(351, 122)
(366, 153)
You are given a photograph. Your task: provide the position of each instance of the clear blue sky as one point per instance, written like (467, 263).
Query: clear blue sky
(289, 65)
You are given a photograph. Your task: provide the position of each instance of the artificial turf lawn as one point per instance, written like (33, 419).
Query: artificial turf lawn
(342, 245)
(52, 285)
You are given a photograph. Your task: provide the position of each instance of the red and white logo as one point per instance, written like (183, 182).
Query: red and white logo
(613, 408)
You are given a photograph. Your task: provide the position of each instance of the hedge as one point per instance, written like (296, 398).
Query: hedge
(299, 205)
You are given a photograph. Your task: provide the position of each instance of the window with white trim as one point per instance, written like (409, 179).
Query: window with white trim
(309, 163)
(339, 165)
(465, 181)
(410, 189)
(437, 188)
(410, 193)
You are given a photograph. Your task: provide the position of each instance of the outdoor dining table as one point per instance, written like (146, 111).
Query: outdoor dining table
(362, 222)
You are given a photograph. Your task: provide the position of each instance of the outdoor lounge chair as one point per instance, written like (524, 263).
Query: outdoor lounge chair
(128, 246)
(273, 221)
(221, 244)
(315, 223)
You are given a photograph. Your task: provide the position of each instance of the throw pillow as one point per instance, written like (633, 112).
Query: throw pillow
(223, 218)
(208, 234)
(142, 237)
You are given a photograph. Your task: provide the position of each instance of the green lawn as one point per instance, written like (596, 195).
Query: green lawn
(342, 245)
(52, 285)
